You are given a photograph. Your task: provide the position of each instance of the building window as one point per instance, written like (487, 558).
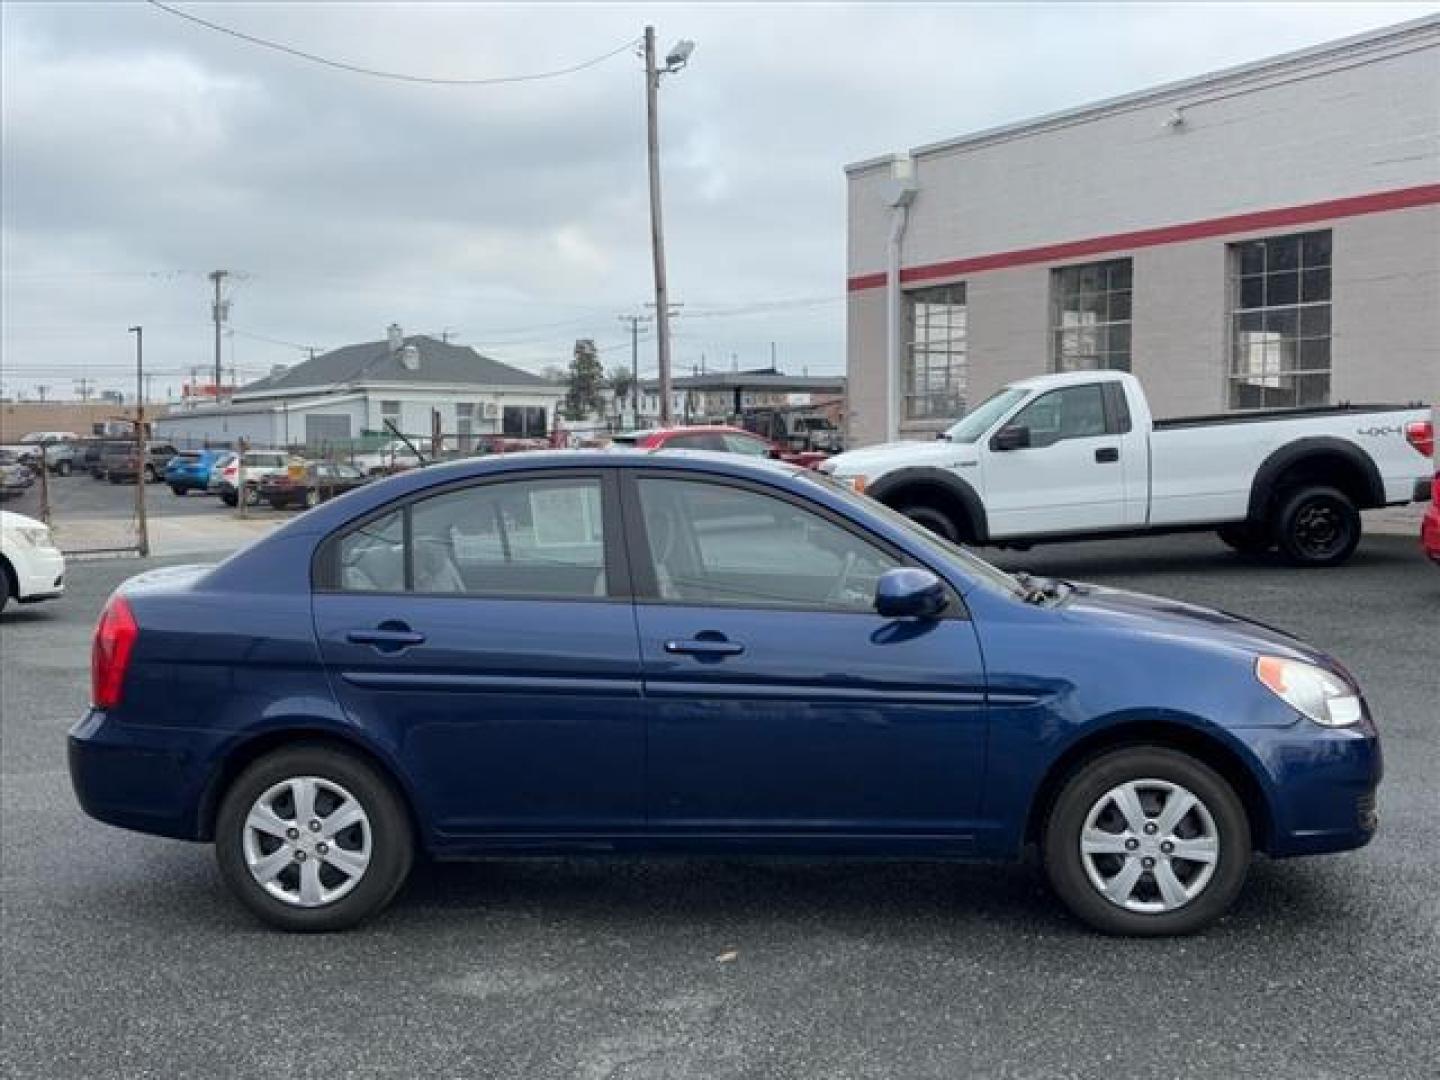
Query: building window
(1090, 316)
(1280, 321)
(523, 420)
(390, 414)
(936, 361)
(465, 426)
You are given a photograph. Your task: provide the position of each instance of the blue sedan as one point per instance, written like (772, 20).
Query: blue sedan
(629, 653)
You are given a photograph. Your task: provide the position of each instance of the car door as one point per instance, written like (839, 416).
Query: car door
(780, 704)
(1070, 478)
(487, 631)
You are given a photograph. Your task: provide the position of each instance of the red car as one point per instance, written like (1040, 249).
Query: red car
(1430, 527)
(717, 437)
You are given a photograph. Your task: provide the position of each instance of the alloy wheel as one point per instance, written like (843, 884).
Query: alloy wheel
(1149, 846)
(307, 841)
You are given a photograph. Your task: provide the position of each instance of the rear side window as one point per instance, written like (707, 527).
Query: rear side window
(538, 538)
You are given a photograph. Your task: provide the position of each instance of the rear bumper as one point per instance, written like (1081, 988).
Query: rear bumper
(137, 778)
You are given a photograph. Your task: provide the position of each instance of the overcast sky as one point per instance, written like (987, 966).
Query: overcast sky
(142, 151)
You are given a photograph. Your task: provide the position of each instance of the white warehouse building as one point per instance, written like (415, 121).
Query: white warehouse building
(1267, 236)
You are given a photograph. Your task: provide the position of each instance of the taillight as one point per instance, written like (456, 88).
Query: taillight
(1421, 435)
(115, 636)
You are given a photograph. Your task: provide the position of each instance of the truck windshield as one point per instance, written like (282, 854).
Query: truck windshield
(980, 419)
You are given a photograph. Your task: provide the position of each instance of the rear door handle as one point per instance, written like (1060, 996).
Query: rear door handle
(386, 638)
(705, 647)
(1107, 454)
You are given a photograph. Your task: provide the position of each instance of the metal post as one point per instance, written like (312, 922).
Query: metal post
(141, 450)
(241, 445)
(657, 228)
(217, 276)
(44, 484)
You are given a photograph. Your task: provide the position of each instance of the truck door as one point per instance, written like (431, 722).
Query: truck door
(1056, 467)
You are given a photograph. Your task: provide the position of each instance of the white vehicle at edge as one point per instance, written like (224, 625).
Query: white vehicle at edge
(31, 567)
(1078, 455)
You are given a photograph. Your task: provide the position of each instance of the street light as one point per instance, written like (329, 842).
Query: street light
(675, 59)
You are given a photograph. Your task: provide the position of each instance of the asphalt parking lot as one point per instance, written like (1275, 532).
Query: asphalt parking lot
(124, 956)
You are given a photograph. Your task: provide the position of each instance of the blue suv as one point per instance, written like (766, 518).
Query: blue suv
(606, 653)
(189, 470)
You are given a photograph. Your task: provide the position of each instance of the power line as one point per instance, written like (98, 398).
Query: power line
(397, 76)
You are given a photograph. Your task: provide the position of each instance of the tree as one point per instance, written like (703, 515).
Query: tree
(622, 381)
(586, 378)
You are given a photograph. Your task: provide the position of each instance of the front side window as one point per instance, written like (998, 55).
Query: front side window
(535, 538)
(936, 357)
(1090, 316)
(711, 543)
(1280, 321)
(1076, 412)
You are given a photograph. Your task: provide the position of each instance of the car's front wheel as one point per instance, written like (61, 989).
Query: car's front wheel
(312, 838)
(1147, 841)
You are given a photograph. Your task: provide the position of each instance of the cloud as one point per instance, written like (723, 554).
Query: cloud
(141, 151)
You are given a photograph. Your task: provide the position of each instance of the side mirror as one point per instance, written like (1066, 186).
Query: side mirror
(1011, 437)
(909, 592)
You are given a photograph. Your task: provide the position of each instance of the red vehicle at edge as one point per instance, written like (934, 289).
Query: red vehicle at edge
(720, 438)
(1430, 527)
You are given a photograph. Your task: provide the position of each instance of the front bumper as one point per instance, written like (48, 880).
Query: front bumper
(40, 575)
(1322, 785)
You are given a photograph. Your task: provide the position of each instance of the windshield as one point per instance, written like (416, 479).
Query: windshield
(980, 419)
(991, 577)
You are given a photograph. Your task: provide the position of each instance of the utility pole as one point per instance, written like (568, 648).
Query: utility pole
(83, 387)
(42, 391)
(635, 321)
(674, 61)
(140, 449)
(219, 312)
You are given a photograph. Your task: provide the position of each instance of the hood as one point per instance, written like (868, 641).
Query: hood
(874, 460)
(1158, 616)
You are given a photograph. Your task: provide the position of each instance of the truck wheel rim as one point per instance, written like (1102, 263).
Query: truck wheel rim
(307, 841)
(1319, 528)
(1149, 846)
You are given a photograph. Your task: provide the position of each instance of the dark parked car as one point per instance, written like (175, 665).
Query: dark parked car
(92, 460)
(121, 463)
(586, 653)
(189, 470)
(313, 485)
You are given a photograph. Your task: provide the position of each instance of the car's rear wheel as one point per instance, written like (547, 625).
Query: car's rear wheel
(1317, 526)
(229, 500)
(1246, 538)
(312, 838)
(1147, 841)
(178, 490)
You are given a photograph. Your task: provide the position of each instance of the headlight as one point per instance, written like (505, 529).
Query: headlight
(1320, 694)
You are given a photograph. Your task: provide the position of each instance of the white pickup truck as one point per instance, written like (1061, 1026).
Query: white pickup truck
(1076, 456)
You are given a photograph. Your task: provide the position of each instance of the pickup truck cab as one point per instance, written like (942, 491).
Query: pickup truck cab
(1079, 456)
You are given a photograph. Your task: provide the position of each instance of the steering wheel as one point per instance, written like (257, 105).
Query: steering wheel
(847, 568)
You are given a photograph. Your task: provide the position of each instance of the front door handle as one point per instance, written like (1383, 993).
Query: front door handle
(1107, 454)
(390, 636)
(704, 647)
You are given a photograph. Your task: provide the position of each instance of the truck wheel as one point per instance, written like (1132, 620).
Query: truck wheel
(1246, 538)
(937, 521)
(1317, 526)
(1147, 841)
(313, 839)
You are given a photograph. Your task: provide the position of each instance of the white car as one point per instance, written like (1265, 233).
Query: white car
(391, 457)
(31, 566)
(1078, 456)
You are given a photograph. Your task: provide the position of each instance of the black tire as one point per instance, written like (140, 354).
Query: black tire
(1066, 869)
(114, 479)
(937, 521)
(62, 468)
(4, 584)
(1246, 538)
(391, 837)
(229, 500)
(1317, 526)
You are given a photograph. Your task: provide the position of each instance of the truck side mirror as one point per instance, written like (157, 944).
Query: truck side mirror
(1011, 437)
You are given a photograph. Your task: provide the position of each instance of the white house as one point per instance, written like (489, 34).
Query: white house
(360, 390)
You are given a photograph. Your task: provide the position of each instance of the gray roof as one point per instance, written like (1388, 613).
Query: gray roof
(373, 362)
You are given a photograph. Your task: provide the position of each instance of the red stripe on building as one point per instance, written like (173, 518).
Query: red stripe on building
(1425, 195)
